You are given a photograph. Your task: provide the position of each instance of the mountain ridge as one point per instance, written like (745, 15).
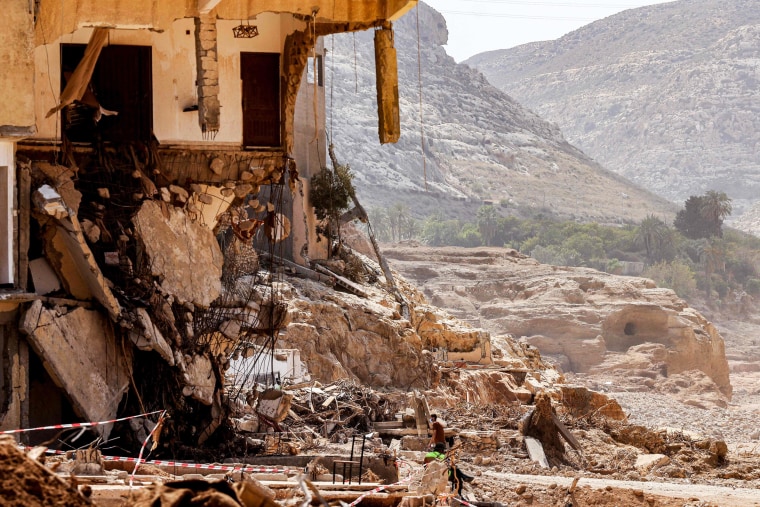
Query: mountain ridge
(667, 95)
(480, 144)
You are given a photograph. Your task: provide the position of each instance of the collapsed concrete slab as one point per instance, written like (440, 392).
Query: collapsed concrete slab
(183, 254)
(68, 253)
(79, 351)
(200, 380)
(150, 338)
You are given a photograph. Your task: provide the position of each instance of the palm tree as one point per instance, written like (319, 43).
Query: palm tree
(715, 207)
(712, 255)
(652, 233)
(487, 222)
(398, 215)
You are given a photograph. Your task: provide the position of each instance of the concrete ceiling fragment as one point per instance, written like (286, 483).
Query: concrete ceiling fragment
(69, 255)
(79, 351)
(182, 253)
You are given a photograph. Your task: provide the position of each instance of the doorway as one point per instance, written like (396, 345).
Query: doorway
(260, 74)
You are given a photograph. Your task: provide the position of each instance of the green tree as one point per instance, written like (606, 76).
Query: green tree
(702, 216)
(469, 236)
(487, 223)
(716, 206)
(675, 275)
(398, 215)
(712, 256)
(652, 234)
(587, 246)
(378, 219)
(439, 232)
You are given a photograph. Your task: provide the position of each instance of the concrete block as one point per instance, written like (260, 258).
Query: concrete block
(646, 462)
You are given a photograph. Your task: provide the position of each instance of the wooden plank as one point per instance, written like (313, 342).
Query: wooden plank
(24, 200)
(566, 433)
(536, 452)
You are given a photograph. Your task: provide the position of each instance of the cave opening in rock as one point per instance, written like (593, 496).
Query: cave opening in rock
(629, 329)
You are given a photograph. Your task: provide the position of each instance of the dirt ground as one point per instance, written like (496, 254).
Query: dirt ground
(26, 484)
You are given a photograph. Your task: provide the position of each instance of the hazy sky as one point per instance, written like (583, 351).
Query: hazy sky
(482, 25)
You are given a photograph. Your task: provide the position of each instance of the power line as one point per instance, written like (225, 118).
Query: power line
(555, 4)
(516, 16)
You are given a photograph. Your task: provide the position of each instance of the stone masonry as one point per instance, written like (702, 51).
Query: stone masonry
(208, 74)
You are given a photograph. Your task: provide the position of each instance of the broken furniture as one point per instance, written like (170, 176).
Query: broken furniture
(350, 462)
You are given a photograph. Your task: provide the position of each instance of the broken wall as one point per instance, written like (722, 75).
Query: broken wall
(14, 388)
(310, 156)
(174, 74)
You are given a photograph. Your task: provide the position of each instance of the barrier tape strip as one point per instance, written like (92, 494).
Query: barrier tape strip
(385, 486)
(181, 464)
(224, 468)
(78, 425)
(142, 449)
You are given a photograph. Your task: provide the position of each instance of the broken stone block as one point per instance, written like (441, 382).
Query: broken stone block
(166, 195)
(251, 425)
(88, 462)
(646, 462)
(434, 479)
(182, 253)
(80, 352)
(243, 190)
(230, 329)
(70, 256)
(150, 338)
(49, 202)
(181, 193)
(104, 193)
(201, 380)
(91, 230)
(582, 402)
(111, 258)
(216, 165)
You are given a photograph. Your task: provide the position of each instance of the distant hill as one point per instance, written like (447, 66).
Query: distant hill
(667, 95)
(480, 144)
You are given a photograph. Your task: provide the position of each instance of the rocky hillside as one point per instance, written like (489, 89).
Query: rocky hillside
(479, 143)
(588, 321)
(667, 95)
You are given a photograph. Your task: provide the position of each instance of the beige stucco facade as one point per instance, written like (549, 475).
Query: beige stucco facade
(57, 19)
(174, 73)
(17, 75)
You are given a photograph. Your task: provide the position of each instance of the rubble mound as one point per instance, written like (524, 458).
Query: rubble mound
(25, 482)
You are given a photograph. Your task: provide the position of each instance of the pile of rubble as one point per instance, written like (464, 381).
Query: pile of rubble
(382, 437)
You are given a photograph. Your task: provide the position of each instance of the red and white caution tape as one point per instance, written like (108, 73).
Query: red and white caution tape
(78, 425)
(197, 466)
(380, 488)
(158, 425)
(223, 468)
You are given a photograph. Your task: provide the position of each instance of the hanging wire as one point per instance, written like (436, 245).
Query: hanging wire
(332, 80)
(314, 73)
(356, 72)
(419, 80)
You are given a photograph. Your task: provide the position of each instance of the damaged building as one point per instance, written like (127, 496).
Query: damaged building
(152, 156)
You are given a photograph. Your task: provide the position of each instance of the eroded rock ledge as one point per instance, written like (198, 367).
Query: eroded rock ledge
(586, 320)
